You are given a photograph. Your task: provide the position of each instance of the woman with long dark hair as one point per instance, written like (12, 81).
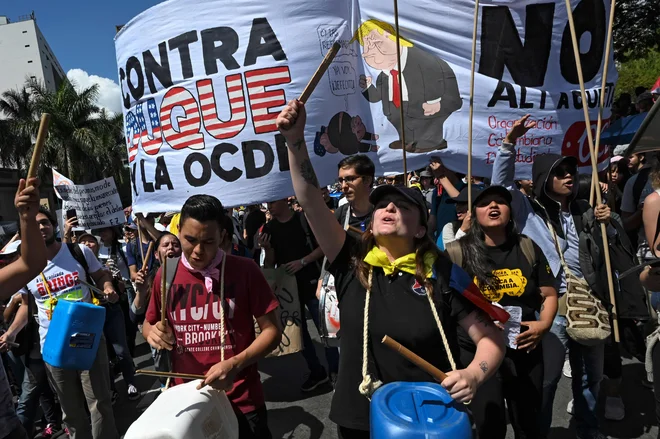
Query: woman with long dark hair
(511, 271)
(394, 282)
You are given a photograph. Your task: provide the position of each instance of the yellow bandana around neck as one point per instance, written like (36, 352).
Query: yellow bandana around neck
(377, 258)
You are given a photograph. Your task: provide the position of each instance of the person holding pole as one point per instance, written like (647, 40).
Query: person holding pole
(210, 309)
(398, 275)
(555, 188)
(13, 277)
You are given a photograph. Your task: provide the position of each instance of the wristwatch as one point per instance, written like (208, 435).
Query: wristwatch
(303, 262)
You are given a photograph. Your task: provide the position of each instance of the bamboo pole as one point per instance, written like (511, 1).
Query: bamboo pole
(401, 114)
(471, 110)
(592, 151)
(137, 221)
(185, 376)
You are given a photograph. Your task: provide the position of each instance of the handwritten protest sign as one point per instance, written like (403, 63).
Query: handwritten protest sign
(202, 89)
(96, 204)
(286, 291)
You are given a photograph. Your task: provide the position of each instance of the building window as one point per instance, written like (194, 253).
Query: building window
(24, 31)
(47, 58)
(27, 45)
(33, 77)
(30, 62)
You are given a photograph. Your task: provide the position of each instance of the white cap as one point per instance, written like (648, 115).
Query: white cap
(11, 248)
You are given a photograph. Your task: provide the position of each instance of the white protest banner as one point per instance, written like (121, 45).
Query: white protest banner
(202, 88)
(60, 180)
(96, 204)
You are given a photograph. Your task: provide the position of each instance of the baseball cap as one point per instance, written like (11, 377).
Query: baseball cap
(411, 194)
(499, 190)
(426, 174)
(11, 248)
(87, 234)
(646, 96)
(462, 196)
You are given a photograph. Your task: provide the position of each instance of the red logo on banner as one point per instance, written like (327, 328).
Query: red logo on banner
(576, 142)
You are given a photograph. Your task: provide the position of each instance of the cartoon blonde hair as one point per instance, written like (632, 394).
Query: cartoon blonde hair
(380, 26)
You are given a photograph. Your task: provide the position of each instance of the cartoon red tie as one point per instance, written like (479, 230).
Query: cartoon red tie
(396, 97)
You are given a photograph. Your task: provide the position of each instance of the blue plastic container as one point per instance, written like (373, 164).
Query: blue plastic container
(417, 410)
(74, 335)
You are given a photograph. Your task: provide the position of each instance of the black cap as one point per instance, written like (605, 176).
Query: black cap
(412, 194)
(462, 196)
(499, 190)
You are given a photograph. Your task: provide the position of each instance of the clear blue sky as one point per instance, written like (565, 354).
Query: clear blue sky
(80, 32)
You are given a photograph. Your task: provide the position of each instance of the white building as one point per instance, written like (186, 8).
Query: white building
(25, 53)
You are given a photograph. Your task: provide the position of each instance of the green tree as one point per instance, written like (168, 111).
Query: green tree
(17, 128)
(636, 28)
(640, 71)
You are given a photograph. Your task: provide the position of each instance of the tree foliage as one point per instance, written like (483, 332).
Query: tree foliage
(84, 143)
(638, 72)
(636, 28)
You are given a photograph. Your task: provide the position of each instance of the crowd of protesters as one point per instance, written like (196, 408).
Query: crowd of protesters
(394, 248)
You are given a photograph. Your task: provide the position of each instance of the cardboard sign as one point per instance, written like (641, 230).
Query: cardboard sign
(286, 290)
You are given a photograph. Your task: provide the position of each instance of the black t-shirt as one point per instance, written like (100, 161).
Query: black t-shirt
(289, 242)
(400, 309)
(253, 221)
(518, 282)
(359, 222)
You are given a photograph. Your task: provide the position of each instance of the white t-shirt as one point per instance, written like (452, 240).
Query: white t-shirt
(63, 274)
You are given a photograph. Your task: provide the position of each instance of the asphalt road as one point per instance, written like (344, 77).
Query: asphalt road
(292, 414)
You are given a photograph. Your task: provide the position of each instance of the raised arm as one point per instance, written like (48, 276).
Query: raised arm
(505, 161)
(328, 232)
(33, 250)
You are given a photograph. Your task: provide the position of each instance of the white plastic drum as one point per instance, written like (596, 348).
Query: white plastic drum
(183, 412)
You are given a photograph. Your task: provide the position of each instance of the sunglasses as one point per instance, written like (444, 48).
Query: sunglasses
(400, 203)
(563, 170)
(485, 201)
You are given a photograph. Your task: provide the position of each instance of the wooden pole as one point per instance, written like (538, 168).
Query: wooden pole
(163, 292)
(145, 262)
(415, 359)
(471, 110)
(401, 114)
(185, 376)
(593, 152)
(323, 67)
(39, 145)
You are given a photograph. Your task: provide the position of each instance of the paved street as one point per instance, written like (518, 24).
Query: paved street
(292, 414)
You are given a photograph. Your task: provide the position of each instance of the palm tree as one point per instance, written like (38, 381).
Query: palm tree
(17, 127)
(72, 131)
(84, 142)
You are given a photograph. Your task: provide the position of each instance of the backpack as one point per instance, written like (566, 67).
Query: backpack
(328, 301)
(526, 245)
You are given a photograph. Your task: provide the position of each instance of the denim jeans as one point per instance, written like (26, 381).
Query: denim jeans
(309, 352)
(35, 390)
(587, 371)
(79, 390)
(17, 366)
(115, 332)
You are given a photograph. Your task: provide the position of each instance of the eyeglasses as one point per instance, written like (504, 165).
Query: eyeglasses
(349, 179)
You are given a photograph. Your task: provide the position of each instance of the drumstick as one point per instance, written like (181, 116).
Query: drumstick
(92, 287)
(311, 85)
(145, 261)
(185, 376)
(414, 359)
(163, 292)
(39, 145)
